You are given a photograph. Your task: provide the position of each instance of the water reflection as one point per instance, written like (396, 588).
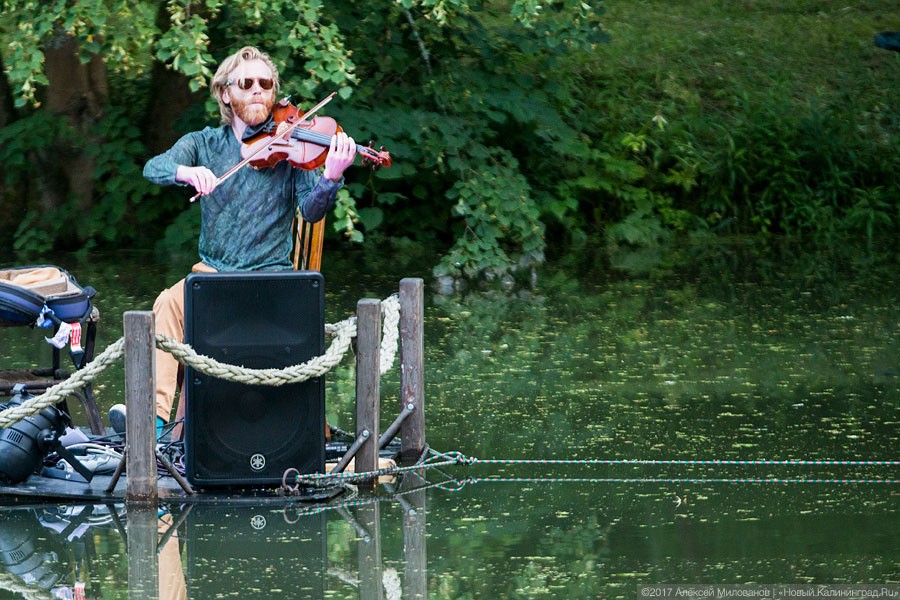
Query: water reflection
(51, 551)
(256, 550)
(709, 352)
(485, 539)
(215, 550)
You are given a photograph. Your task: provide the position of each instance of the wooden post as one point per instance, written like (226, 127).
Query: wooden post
(368, 383)
(412, 367)
(371, 574)
(140, 402)
(143, 563)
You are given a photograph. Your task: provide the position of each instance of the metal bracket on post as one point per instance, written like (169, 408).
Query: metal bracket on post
(391, 432)
(351, 451)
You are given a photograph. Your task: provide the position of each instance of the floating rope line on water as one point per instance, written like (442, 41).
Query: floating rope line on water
(641, 461)
(343, 333)
(693, 480)
(445, 459)
(451, 484)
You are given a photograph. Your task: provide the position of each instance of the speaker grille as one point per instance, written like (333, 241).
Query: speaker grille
(247, 435)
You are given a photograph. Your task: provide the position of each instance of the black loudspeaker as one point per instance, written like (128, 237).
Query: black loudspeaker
(242, 435)
(255, 552)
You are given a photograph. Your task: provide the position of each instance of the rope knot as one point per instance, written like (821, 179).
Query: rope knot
(462, 459)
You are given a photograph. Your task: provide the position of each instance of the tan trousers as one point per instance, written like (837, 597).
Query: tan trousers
(169, 310)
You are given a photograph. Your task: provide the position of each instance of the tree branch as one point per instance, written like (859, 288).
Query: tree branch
(422, 49)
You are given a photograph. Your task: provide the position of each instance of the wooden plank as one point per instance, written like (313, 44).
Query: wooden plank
(368, 383)
(39, 489)
(315, 246)
(140, 402)
(412, 366)
(308, 242)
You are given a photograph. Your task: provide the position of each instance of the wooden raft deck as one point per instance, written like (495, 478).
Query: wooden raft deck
(38, 489)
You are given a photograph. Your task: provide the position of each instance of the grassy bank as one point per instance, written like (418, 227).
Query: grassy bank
(754, 116)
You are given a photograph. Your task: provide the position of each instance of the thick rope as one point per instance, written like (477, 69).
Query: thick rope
(315, 367)
(393, 589)
(343, 333)
(390, 337)
(66, 388)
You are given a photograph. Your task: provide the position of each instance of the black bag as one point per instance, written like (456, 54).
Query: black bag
(28, 293)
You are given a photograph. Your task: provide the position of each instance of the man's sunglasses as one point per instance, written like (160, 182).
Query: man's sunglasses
(245, 83)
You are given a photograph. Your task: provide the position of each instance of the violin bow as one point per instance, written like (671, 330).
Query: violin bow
(284, 134)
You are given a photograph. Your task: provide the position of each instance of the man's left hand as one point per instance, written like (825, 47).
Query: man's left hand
(340, 156)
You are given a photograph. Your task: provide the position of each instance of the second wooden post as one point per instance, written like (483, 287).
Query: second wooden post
(412, 367)
(368, 384)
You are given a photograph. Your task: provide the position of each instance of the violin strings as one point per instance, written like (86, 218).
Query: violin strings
(320, 139)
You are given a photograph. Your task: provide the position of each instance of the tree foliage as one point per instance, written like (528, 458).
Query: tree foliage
(510, 122)
(459, 91)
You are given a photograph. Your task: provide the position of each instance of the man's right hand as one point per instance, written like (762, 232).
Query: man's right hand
(203, 180)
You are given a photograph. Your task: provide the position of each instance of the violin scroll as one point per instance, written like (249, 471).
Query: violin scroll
(379, 158)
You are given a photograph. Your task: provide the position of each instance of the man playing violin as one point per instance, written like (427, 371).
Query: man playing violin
(245, 220)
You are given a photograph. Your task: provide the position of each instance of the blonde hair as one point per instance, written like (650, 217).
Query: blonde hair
(220, 79)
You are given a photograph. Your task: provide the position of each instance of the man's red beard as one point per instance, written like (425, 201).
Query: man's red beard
(252, 114)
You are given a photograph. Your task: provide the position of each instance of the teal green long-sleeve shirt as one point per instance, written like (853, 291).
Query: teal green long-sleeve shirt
(246, 220)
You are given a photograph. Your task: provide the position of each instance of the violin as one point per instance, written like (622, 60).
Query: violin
(301, 139)
(307, 144)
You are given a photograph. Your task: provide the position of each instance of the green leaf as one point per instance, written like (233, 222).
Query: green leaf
(371, 217)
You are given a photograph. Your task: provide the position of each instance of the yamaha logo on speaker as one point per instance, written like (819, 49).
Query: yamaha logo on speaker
(257, 462)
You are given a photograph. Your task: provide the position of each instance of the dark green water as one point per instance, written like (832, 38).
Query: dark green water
(727, 351)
